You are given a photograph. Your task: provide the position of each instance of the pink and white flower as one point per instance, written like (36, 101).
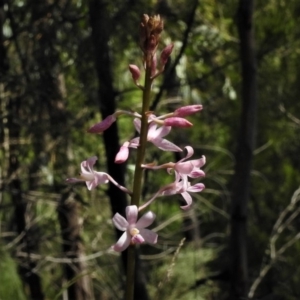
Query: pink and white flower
(134, 229)
(93, 178)
(155, 136)
(190, 168)
(182, 186)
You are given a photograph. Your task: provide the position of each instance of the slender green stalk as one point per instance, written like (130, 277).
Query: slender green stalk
(138, 177)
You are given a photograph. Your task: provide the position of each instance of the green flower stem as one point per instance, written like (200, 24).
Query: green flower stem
(138, 177)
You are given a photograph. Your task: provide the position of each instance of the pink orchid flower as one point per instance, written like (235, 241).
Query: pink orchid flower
(134, 230)
(190, 168)
(182, 186)
(93, 178)
(155, 136)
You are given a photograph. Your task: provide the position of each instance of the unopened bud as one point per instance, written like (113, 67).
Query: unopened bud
(150, 30)
(103, 125)
(153, 65)
(187, 110)
(135, 72)
(165, 54)
(177, 122)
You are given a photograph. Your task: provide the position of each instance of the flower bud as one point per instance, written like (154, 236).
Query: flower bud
(187, 110)
(103, 125)
(164, 56)
(135, 72)
(177, 122)
(153, 65)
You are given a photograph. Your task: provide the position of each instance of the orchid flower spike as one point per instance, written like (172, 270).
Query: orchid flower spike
(134, 230)
(93, 178)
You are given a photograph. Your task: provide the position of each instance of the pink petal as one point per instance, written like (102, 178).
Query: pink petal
(149, 236)
(137, 124)
(165, 145)
(120, 222)
(123, 242)
(199, 162)
(163, 131)
(131, 214)
(123, 154)
(100, 178)
(152, 132)
(91, 184)
(87, 165)
(134, 143)
(198, 187)
(187, 197)
(103, 125)
(145, 220)
(184, 167)
(196, 173)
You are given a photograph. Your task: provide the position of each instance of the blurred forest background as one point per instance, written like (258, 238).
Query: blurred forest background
(64, 66)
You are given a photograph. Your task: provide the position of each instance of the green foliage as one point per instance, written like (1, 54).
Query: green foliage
(11, 287)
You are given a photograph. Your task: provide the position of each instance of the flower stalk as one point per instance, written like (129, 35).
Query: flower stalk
(138, 176)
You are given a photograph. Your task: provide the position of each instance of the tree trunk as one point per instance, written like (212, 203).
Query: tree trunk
(51, 88)
(244, 154)
(101, 29)
(73, 248)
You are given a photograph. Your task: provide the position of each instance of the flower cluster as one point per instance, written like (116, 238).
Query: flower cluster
(157, 128)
